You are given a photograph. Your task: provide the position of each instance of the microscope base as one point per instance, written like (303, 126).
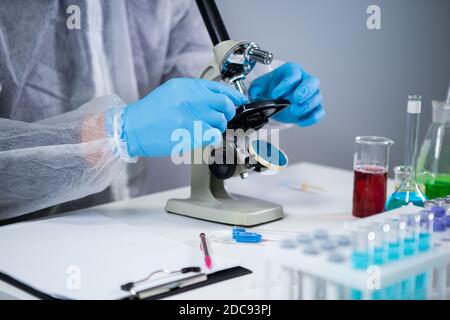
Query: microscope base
(237, 210)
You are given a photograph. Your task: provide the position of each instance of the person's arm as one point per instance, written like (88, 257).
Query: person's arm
(80, 152)
(59, 159)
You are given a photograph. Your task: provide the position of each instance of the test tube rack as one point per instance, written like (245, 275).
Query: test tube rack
(315, 276)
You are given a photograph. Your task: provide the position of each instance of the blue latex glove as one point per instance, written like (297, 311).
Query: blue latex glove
(291, 82)
(149, 123)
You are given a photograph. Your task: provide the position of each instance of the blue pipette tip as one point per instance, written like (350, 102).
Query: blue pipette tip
(248, 237)
(240, 234)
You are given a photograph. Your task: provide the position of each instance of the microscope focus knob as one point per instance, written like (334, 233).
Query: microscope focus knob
(220, 167)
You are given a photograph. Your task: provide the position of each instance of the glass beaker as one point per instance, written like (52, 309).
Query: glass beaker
(370, 165)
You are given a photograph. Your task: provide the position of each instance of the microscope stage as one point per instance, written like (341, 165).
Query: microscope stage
(255, 115)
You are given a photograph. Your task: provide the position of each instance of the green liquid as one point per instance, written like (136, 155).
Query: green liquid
(437, 187)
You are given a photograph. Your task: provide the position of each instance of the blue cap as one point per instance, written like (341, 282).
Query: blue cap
(439, 225)
(250, 237)
(320, 234)
(447, 220)
(288, 244)
(343, 240)
(304, 238)
(438, 211)
(336, 257)
(327, 245)
(424, 214)
(310, 250)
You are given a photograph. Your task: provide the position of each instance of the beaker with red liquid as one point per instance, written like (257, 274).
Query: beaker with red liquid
(371, 164)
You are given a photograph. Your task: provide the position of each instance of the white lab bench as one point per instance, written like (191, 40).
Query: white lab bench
(326, 206)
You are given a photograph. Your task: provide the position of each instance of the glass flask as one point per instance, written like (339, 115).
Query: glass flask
(433, 162)
(398, 178)
(409, 191)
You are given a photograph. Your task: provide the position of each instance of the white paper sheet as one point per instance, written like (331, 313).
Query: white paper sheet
(88, 256)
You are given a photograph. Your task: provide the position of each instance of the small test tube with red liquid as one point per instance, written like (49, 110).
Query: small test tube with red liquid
(370, 175)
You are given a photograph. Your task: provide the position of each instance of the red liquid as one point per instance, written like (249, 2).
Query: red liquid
(369, 191)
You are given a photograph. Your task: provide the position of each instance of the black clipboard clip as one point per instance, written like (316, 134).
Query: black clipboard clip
(198, 276)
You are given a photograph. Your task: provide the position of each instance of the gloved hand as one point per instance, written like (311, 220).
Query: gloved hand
(291, 82)
(149, 123)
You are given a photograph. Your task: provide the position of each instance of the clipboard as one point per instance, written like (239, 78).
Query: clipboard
(151, 293)
(107, 253)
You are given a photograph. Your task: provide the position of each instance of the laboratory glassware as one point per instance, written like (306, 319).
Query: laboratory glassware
(409, 191)
(361, 257)
(433, 162)
(370, 166)
(398, 178)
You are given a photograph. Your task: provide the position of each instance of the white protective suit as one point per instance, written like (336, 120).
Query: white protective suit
(54, 151)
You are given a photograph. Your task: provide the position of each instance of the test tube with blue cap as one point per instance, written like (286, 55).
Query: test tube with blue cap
(362, 255)
(335, 291)
(439, 223)
(288, 277)
(311, 285)
(392, 231)
(408, 236)
(379, 243)
(422, 235)
(426, 230)
(360, 249)
(392, 236)
(408, 229)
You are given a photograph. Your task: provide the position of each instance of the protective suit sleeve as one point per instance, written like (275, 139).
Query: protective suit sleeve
(190, 48)
(61, 158)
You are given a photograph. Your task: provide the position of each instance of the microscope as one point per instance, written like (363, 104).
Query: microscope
(209, 200)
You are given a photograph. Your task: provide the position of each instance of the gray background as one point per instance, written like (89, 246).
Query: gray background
(365, 75)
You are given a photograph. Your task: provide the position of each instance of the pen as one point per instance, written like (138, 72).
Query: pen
(205, 250)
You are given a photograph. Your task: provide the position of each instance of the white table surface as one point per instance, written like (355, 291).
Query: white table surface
(303, 210)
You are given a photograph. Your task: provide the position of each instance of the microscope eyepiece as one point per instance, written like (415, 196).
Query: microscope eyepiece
(260, 56)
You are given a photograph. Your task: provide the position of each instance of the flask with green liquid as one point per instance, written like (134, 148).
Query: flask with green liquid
(433, 162)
